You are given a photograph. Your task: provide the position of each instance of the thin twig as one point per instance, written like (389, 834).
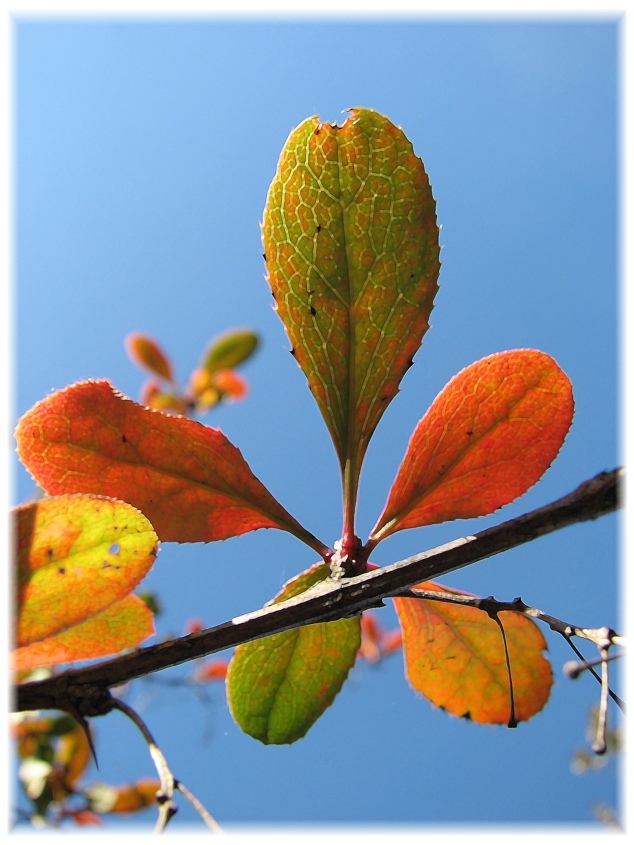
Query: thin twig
(165, 795)
(573, 669)
(202, 811)
(599, 746)
(329, 599)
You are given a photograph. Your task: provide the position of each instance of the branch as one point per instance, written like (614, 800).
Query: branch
(86, 689)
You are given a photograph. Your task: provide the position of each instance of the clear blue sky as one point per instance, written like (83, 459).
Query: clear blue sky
(144, 152)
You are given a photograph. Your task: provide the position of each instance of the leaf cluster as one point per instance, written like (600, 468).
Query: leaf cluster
(351, 245)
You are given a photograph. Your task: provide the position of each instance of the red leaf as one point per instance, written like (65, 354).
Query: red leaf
(489, 435)
(187, 478)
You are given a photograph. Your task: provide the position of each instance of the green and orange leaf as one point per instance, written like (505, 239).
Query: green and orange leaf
(146, 353)
(278, 686)
(351, 249)
(489, 435)
(455, 656)
(187, 478)
(76, 556)
(123, 625)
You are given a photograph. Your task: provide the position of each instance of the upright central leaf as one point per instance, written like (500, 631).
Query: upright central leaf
(351, 247)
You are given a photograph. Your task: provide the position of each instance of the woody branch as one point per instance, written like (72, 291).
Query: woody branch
(87, 690)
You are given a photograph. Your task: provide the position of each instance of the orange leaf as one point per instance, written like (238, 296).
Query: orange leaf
(454, 656)
(76, 556)
(187, 478)
(146, 352)
(212, 670)
(230, 383)
(489, 435)
(135, 797)
(123, 625)
(83, 817)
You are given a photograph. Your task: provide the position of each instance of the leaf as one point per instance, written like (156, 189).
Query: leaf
(454, 656)
(351, 249)
(229, 349)
(278, 686)
(142, 793)
(231, 384)
(129, 798)
(187, 478)
(145, 352)
(77, 555)
(123, 625)
(489, 435)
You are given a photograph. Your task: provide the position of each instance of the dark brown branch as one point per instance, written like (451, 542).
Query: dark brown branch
(87, 689)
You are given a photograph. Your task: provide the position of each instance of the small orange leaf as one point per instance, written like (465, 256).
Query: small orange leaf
(187, 478)
(454, 656)
(145, 352)
(84, 817)
(77, 555)
(489, 435)
(140, 794)
(123, 625)
(230, 383)
(376, 641)
(212, 670)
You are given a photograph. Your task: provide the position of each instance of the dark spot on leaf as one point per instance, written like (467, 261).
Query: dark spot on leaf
(312, 311)
(124, 439)
(106, 565)
(61, 570)
(117, 567)
(469, 433)
(49, 552)
(411, 275)
(317, 130)
(318, 229)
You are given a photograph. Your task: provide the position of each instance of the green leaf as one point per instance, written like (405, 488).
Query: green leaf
(351, 248)
(278, 686)
(228, 350)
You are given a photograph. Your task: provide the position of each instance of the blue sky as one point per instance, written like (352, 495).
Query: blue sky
(144, 151)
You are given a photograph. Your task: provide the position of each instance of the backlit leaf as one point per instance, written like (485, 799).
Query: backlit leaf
(187, 478)
(123, 625)
(278, 686)
(489, 435)
(146, 352)
(77, 555)
(351, 249)
(454, 656)
(229, 349)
